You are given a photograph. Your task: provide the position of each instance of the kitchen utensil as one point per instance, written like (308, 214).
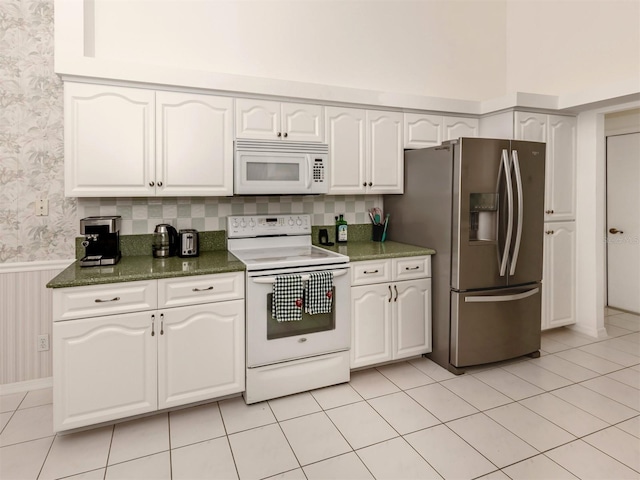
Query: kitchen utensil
(386, 224)
(189, 243)
(376, 215)
(165, 241)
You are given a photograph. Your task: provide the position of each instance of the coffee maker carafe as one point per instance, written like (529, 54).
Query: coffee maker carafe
(101, 240)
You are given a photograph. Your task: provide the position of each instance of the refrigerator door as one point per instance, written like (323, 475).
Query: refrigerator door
(481, 187)
(494, 325)
(525, 253)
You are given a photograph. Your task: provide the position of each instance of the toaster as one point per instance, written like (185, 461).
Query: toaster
(189, 243)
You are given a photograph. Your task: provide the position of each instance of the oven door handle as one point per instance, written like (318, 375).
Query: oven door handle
(337, 273)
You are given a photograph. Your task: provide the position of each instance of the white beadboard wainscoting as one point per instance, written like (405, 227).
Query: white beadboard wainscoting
(25, 313)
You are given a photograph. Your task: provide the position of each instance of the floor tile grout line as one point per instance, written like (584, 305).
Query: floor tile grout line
(44, 460)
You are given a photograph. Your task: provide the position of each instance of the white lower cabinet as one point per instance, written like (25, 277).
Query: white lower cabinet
(391, 317)
(112, 366)
(558, 275)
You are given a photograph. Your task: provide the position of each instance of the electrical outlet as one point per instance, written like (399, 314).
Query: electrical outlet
(43, 343)
(42, 207)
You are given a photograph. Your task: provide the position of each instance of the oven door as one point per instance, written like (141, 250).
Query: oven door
(265, 172)
(270, 341)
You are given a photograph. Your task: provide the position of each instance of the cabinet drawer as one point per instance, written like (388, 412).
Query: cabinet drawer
(95, 300)
(411, 267)
(375, 271)
(176, 292)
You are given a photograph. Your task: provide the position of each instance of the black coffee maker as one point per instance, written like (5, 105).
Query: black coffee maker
(101, 240)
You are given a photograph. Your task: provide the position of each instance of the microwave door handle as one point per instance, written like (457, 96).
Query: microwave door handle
(309, 170)
(516, 247)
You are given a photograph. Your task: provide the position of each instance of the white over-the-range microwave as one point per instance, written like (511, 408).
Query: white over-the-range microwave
(280, 168)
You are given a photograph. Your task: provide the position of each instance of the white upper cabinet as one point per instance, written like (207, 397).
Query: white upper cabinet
(194, 145)
(456, 127)
(530, 126)
(365, 148)
(421, 130)
(269, 120)
(109, 141)
(133, 142)
(346, 133)
(560, 189)
(384, 149)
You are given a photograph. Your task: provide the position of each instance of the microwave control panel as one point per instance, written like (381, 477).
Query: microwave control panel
(318, 170)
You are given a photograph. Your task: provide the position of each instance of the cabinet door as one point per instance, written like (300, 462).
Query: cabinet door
(200, 352)
(104, 368)
(559, 275)
(345, 128)
(258, 119)
(370, 324)
(109, 141)
(560, 169)
(385, 172)
(456, 127)
(302, 122)
(421, 131)
(412, 318)
(530, 126)
(194, 145)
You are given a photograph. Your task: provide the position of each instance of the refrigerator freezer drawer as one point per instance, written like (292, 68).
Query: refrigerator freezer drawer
(490, 326)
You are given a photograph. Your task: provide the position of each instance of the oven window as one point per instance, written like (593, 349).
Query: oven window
(273, 172)
(309, 323)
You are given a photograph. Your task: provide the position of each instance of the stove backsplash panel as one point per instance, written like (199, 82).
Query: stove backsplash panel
(141, 215)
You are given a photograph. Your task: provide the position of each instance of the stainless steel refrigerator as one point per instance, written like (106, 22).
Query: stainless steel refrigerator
(479, 203)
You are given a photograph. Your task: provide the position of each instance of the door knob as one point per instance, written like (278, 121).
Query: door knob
(615, 230)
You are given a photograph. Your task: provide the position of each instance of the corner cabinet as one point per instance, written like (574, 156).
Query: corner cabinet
(122, 141)
(269, 120)
(390, 310)
(366, 155)
(131, 348)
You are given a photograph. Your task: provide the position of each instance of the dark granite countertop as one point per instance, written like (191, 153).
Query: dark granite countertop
(368, 250)
(145, 267)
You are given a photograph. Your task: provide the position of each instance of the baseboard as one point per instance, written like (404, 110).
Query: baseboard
(18, 387)
(590, 332)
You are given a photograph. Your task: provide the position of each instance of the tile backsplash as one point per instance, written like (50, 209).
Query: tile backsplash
(141, 215)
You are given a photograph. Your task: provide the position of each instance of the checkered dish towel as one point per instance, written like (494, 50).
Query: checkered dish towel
(318, 293)
(286, 303)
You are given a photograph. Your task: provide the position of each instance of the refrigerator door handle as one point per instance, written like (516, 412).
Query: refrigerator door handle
(501, 298)
(516, 247)
(507, 243)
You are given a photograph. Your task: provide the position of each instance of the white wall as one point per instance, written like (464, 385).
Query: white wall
(558, 47)
(447, 48)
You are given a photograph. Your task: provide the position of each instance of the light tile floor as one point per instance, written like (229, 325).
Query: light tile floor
(573, 412)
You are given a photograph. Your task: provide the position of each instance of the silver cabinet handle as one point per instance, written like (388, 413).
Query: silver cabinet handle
(153, 325)
(368, 272)
(202, 289)
(549, 232)
(286, 134)
(390, 295)
(159, 184)
(370, 184)
(162, 324)
(396, 289)
(114, 299)
(411, 268)
(151, 184)
(279, 134)
(549, 212)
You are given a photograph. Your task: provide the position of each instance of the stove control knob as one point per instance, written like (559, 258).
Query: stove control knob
(235, 223)
(252, 223)
(298, 221)
(291, 221)
(243, 223)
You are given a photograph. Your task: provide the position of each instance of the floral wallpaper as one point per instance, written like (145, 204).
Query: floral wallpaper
(31, 138)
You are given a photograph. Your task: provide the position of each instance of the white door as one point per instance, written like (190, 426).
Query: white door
(302, 122)
(412, 318)
(560, 175)
(371, 324)
(346, 132)
(194, 145)
(558, 275)
(258, 119)
(200, 352)
(422, 131)
(623, 221)
(456, 127)
(104, 368)
(384, 148)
